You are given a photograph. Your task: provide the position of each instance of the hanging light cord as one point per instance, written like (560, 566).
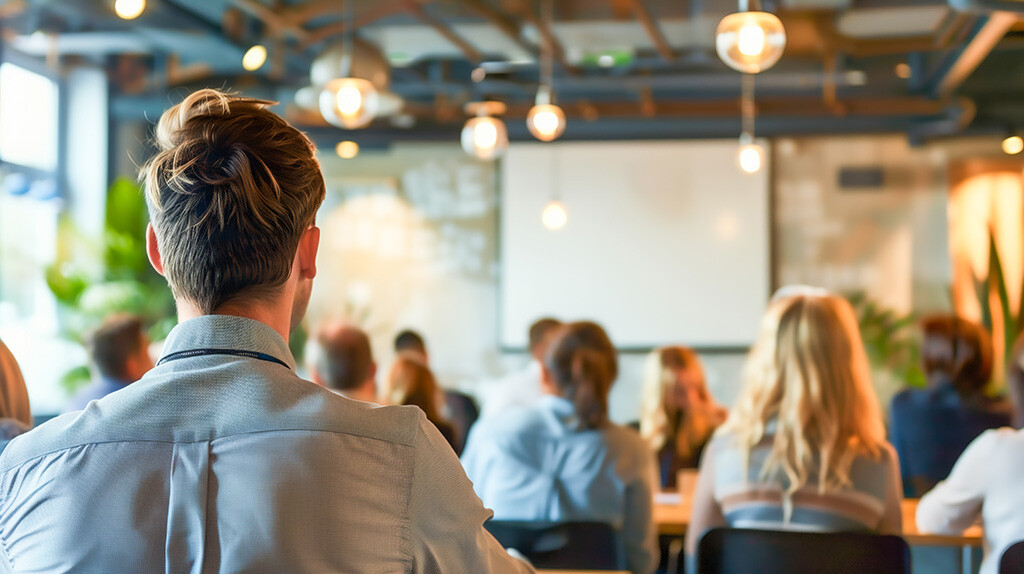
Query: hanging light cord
(346, 40)
(546, 72)
(747, 104)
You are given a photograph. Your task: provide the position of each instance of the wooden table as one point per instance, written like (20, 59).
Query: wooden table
(673, 519)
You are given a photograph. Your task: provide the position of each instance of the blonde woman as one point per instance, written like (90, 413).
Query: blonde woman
(805, 447)
(410, 382)
(678, 414)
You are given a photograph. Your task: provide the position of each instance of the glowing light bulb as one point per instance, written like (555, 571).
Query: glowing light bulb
(350, 99)
(484, 137)
(751, 40)
(546, 122)
(1013, 145)
(751, 158)
(129, 9)
(347, 149)
(554, 216)
(254, 58)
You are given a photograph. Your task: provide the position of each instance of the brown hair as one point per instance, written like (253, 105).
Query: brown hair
(410, 382)
(230, 192)
(958, 350)
(13, 393)
(583, 364)
(541, 331)
(345, 360)
(119, 338)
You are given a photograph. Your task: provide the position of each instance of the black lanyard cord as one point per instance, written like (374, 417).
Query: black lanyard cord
(234, 352)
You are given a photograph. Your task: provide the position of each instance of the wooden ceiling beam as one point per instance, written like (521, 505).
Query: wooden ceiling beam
(467, 49)
(328, 31)
(509, 27)
(653, 31)
(548, 35)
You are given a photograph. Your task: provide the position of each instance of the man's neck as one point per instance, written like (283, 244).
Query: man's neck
(274, 313)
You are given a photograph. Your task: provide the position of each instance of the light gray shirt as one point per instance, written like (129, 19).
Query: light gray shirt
(224, 463)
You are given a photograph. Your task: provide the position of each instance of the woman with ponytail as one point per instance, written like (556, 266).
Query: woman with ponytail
(804, 447)
(563, 460)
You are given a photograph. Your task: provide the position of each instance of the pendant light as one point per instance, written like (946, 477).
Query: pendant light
(546, 121)
(485, 136)
(349, 102)
(750, 41)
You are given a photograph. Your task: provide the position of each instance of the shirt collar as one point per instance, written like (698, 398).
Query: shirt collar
(228, 332)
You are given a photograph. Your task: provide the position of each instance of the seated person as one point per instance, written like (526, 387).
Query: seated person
(931, 427)
(410, 382)
(804, 448)
(343, 363)
(984, 484)
(521, 388)
(119, 352)
(563, 460)
(459, 409)
(677, 412)
(15, 414)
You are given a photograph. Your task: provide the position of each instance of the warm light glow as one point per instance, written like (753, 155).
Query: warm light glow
(751, 157)
(554, 216)
(546, 122)
(254, 58)
(129, 9)
(350, 99)
(1013, 145)
(349, 102)
(750, 42)
(484, 137)
(903, 70)
(347, 149)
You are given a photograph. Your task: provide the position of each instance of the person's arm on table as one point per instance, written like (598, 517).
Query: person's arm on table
(638, 529)
(446, 526)
(955, 503)
(892, 516)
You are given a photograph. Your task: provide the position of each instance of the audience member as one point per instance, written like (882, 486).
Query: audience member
(221, 458)
(523, 388)
(804, 448)
(931, 427)
(344, 363)
(677, 412)
(15, 415)
(119, 352)
(459, 409)
(410, 382)
(563, 460)
(984, 484)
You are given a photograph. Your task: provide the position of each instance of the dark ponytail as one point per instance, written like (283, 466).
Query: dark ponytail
(583, 364)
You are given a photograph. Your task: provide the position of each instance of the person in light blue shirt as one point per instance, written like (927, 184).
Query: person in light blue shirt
(221, 459)
(563, 460)
(119, 350)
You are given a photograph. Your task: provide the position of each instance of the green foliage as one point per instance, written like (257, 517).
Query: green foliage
(92, 279)
(1013, 324)
(890, 339)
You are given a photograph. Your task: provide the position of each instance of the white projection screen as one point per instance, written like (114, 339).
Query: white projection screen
(666, 242)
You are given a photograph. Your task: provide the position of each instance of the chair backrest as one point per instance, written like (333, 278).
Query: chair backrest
(565, 545)
(1012, 560)
(741, 550)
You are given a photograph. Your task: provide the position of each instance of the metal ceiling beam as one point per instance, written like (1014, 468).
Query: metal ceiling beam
(467, 49)
(980, 46)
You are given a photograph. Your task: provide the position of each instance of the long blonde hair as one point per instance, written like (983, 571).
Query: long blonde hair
(658, 411)
(808, 372)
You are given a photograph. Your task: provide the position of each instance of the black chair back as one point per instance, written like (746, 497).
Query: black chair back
(1012, 560)
(741, 550)
(566, 545)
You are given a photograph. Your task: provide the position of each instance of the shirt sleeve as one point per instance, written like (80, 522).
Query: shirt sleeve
(638, 531)
(446, 516)
(955, 503)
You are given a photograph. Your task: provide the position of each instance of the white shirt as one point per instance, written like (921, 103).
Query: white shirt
(985, 483)
(519, 389)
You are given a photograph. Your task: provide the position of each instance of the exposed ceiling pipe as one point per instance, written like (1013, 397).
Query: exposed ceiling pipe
(980, 46)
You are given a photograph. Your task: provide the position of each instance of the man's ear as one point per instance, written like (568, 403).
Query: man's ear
(153, 250)
(309, 243)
